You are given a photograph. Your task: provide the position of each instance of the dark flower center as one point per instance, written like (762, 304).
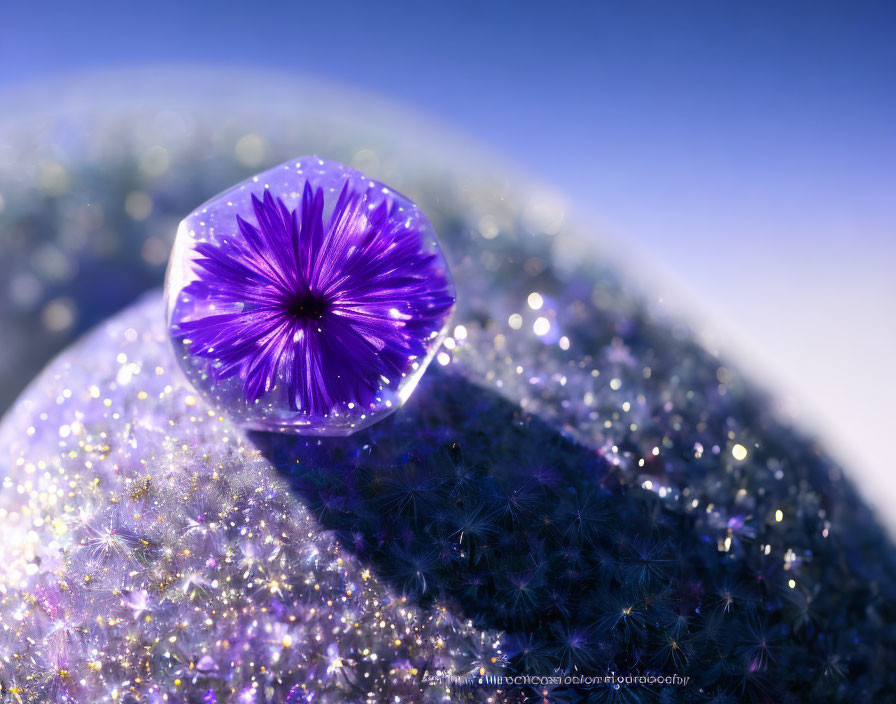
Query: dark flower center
(308, 305)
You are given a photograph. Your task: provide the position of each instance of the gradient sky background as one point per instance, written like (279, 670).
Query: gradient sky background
(746, 149)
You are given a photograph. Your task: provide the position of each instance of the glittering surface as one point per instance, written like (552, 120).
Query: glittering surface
(320, 315)
(151, 554)
(575, 486)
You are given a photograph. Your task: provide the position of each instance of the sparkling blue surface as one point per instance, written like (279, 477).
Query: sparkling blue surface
(576, 486)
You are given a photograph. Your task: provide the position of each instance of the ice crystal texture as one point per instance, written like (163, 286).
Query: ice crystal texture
(577, 474)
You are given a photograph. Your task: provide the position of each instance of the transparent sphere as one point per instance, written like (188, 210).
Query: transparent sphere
(307, 299)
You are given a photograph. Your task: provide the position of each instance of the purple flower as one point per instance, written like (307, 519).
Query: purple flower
(328, 310)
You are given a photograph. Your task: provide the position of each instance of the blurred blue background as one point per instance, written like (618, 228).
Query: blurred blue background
(741, 154)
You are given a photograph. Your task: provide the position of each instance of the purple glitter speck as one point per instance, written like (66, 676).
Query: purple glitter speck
(325, 313)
